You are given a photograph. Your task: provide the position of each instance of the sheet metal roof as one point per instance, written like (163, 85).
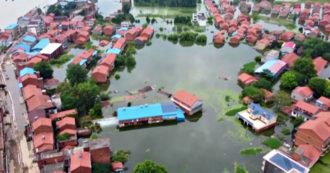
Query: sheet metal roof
(41, 44)
(113, 50)
(11, 26)
(50, 48)
(26, 70)
(29, 38)
(148, 111)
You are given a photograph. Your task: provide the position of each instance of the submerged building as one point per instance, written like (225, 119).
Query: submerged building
(149, 114)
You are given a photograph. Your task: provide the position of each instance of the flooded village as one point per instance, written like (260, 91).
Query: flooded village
(185, 86)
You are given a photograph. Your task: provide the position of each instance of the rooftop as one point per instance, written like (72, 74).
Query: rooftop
(41, 44)
(80, 159)
(11, 26)
(26, 70)
(50, 48)
(148, 111)
(285, 163)
(185, 97)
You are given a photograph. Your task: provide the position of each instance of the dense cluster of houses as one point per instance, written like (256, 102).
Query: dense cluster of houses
(240, 28)
(121, 37)
(182, 103)
(58, 144)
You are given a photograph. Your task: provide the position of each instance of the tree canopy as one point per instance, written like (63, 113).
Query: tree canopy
(44, 69)
(149, 167)
(289, 80)
(264, 83)
(305, 67)
(76, 74)
(318, 85)
(249, 67)
(254, 93)
(314, 47)
(282, 99)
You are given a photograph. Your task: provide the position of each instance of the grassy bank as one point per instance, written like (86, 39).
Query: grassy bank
(61, 60)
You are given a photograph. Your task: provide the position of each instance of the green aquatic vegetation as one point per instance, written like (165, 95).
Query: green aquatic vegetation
(239, 168)
(234, 111)
(272, 142)
(61, 60)
(251, 151)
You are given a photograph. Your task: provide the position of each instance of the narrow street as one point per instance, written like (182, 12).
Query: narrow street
(19, 151)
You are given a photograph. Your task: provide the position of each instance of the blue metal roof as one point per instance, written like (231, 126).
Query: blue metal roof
(25, 71)
(29, 38)
(41, 44)
(165, 110)
(258, 110)
(23, 46)
(83, 62)
(286, 163)
(11, 26)
(117, 36)
(113, 50)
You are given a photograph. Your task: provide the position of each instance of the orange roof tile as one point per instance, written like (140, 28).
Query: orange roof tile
(320, 126)
(66, 121)
(185, 97)
(63, 114)
(42, 121)
(290, 58)
(319, 64)
(325, 101)
(39, 101)
(311, 153)
(307, 107)
(43, 142)
(30, 90)
(80, 159)
(246, 79)
(305, 91)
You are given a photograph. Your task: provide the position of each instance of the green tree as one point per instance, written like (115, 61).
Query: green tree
(318, 85)
(121, 156)
(326, 92)
(44, 69)
(289, 80)
(264, 83)
(87, 94)
(249, 67)
(256, 94)
(201, 39)
(282, 99)
(100, 168)
(96, 111)
(305, 67)
(76, 74)
(149, 167)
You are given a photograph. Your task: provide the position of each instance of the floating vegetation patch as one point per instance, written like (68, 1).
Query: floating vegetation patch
(240, 169)
(272, 143)
(251, 151)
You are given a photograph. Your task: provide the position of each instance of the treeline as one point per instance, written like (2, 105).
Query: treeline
(167, 3)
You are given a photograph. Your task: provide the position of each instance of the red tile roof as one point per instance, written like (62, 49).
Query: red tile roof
(66, 121)
(46, 122)
(311, 153)
(39, 102)
(62, 114)
(20, 57)
(109, 60)
(305, 91)
(307, 107)
(120, 43)
(27, 77)
(80, 160)
(117, 166)
(30, 91)
(246, 79)
(185, 97)
(325, 101)
(43, 142)
(319, 64)
(290, 58)
(148, 32)
(320, 125)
